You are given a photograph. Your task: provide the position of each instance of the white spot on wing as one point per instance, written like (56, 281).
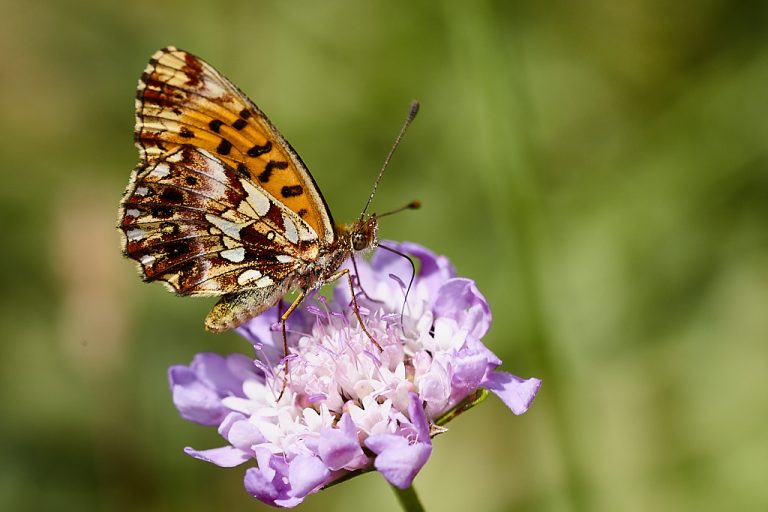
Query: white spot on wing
(132, 213)
(160, 171)
(290, 230)
(141, 191)
(247, 210)
(214, 166)
(264, 282)
(147, 260)
(284, 258)
(231, 229)
(247, 276)
(256, 198)
(135, 234)
(234, 255)
(306, 233)
(214, 88)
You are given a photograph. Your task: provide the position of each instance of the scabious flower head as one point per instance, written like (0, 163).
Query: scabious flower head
(347, 406)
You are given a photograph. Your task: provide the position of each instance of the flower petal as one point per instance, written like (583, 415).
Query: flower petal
(517, 393)
(225, 457)
(459, 299)
(198, 389)
(434, 269)
(272, 491)
(339, 447)
(305, 474)
(398, 461)
(469, 370)
(194, 400)
(419, 419)
(258, 331)
(215, 371)
(244, 435)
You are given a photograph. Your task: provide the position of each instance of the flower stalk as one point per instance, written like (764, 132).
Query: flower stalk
(408, 499)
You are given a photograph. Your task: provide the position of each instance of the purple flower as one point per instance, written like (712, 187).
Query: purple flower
(347, 406)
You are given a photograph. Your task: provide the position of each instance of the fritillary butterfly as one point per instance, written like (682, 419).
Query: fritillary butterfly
(221, 204)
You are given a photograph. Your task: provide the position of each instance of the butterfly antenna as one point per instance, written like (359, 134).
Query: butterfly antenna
(410, 282)
(408, 120)
(413, 205)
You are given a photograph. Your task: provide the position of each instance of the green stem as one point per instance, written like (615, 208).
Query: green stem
(408, 499)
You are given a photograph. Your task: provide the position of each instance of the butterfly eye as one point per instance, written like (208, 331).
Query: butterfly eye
(358, 241)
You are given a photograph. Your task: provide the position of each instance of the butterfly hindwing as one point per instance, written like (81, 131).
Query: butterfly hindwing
(182, 100)
(235, 308)
(195, 223)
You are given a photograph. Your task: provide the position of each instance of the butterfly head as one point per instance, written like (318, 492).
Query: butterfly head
(362, 234)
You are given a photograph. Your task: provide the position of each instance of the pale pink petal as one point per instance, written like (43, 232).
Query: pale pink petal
(225, 457)
(517, 393)
(306, 473)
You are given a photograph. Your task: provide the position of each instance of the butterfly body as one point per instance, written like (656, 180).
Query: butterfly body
(221, 204)
(235, 309)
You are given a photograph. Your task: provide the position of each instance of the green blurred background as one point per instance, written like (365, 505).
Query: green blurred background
(600, 168)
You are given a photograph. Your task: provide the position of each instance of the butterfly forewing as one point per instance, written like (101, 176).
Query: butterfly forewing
(193, 222)
(182, 100)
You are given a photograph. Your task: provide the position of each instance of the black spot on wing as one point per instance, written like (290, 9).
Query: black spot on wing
(267, 172)
(186, 132)
(172, 195)
(162, 212)
(291, 191)
(224, 147)
(214, 125)
(177, 248)
(239, 124)
(260, 150)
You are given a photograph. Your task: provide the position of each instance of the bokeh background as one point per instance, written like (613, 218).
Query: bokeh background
(600, 168)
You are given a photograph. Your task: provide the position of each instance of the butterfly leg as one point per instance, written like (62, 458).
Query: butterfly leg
(283, 318)
(355, 307)
(360, 283)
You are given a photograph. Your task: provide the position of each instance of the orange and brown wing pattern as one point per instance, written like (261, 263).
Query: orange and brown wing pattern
(193, 222)
(182, 100)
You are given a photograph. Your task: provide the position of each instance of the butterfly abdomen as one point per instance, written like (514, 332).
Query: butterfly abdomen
(237, 308)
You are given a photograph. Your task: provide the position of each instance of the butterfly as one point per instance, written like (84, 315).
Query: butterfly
(221, 204)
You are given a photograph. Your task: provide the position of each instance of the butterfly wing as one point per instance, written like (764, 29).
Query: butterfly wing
(194, 223)
(182, 100)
